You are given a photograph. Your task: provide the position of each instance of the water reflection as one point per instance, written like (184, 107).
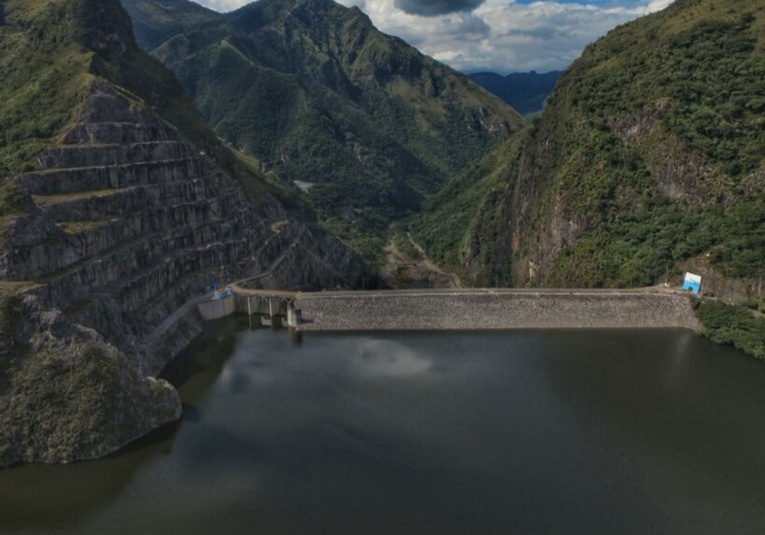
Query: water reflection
(373, 357)
(65, 497)
(28, 497)
(681, 426)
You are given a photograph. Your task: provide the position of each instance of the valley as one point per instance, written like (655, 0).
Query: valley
(319, 95)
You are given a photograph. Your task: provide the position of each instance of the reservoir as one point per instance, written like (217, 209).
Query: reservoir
(512, 432)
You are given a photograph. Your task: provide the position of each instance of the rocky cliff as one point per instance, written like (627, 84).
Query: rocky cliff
(119, 219)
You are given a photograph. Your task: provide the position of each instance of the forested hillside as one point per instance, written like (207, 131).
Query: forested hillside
(648, 160)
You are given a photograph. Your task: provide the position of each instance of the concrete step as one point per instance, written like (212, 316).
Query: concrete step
(99, 155)
(82, 179)
(176, 202)
(119, 132)
(100, 256)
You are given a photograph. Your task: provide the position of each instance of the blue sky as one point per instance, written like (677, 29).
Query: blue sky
(498, 35)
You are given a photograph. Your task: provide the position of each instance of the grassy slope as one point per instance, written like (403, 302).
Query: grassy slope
(650, 152)
(44, 78)
(160, 21)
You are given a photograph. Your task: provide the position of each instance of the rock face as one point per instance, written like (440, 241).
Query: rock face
(130, 220)
(122, 220)
(69, 395)
(128, 208)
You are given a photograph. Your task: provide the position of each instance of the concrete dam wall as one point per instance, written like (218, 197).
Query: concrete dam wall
(494, 309)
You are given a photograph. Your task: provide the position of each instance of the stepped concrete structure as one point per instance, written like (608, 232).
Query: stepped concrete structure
(131, 219)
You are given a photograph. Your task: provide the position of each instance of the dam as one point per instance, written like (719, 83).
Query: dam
(462, 309)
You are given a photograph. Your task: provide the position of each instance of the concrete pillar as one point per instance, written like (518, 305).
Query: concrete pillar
(271, 308)
(293, 316)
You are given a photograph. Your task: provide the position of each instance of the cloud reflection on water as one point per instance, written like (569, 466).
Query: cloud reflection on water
(385, 358)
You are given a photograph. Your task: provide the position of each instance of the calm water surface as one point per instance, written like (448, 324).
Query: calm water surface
(592, 432)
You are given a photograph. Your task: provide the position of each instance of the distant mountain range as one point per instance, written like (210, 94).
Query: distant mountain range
(524, 91)
(365, 123)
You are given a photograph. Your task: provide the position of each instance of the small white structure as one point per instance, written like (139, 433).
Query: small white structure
(692, 282)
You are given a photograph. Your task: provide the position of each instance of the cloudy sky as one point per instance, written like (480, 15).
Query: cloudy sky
(498, 35)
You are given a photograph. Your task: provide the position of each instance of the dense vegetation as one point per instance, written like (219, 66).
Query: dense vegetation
(318, 95)
(734, 325)
(649, 155)
(524, 91)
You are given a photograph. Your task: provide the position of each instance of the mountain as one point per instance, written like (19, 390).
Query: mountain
(648, 161)
(366, 124)
(524, 91)
(118, 205)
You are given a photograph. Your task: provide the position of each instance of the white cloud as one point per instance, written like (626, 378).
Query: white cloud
(223, 5)
(500, 35)
(656, 5)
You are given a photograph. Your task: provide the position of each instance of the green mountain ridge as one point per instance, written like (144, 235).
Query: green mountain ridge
(647, 161)
(314, 91)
